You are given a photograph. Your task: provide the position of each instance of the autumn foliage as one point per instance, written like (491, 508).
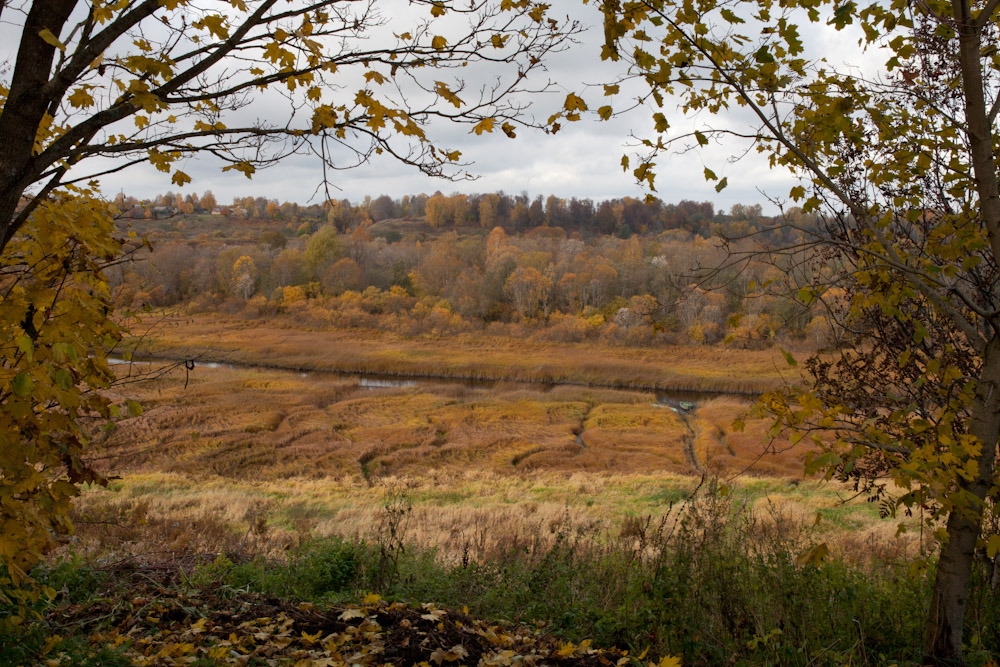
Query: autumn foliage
(55, 332)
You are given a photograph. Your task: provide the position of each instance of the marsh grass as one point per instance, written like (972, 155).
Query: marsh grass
(269, 424)
(285, 343)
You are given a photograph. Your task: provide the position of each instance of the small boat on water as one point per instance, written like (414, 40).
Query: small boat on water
(686, 405)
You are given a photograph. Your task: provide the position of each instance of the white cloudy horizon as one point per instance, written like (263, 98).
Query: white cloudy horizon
(582, 160)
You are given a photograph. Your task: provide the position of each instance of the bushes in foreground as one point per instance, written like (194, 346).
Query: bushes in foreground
(713, 582)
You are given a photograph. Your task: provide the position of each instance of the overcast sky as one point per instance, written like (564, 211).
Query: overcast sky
(582, 160)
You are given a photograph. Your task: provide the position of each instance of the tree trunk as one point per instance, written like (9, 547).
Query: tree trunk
(26, 105)
(943, 634)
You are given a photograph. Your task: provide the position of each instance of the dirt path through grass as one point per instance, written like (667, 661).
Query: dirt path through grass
(689, 450)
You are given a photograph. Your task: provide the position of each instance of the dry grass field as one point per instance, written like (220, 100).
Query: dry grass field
(263, 459)
(266, 424)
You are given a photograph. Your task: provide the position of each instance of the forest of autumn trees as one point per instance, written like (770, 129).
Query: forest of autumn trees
(621, 271)
(515, 213)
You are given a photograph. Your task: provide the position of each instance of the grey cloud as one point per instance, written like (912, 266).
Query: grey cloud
(582, 160)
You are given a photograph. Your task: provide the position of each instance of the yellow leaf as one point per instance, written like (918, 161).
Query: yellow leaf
(49, 38)
(993, 546)
(574, 103)
(50, 644)
(485, 125)
(180, 178)
(215, 25)
(814, 556)
(81, 98)
(669, 661)
(439, 42)
(566, 650)
(245, 167)
(442, 89)
(351, 613)
(160, 160)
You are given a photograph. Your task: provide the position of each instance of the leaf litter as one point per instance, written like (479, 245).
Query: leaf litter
(153, 623)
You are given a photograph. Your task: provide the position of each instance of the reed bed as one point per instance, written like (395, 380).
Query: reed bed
(280, 344)
(269, 424)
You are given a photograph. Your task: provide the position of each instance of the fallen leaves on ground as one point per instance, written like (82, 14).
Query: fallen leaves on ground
(157, 625)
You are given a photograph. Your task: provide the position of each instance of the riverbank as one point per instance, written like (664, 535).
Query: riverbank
(281, 344)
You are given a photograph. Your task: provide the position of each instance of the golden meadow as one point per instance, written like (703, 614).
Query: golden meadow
(267, 455)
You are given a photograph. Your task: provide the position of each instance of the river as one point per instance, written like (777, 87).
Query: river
(673, 399)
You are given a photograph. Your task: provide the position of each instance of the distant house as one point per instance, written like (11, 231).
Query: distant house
(164, 212)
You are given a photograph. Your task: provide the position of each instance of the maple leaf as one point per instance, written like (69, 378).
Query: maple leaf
(456, 652)
(81, 97)
(349, 614)
(180, 178)
(215, 23)
(485, 125)
(444, 91)
(574, 103)
(245, 167)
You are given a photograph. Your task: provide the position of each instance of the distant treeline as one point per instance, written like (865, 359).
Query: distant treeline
(514, 213)
(407, 276)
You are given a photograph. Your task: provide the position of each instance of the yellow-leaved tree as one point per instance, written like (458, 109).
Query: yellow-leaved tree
(899, 155)
(54, 330)
(96, 86)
